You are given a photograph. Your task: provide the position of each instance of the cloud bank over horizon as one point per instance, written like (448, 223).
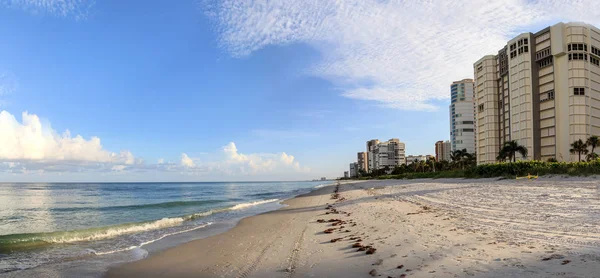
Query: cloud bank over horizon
(31, 146)
(398, 54)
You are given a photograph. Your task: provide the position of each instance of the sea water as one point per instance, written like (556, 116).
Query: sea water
(45, 224)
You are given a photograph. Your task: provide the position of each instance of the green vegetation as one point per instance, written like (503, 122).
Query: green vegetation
(507, 170)
(510, 150)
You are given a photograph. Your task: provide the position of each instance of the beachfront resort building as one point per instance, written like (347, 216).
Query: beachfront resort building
(541, 89)
(462, 115)
(443, 150)
(388, 154)
(362, 161)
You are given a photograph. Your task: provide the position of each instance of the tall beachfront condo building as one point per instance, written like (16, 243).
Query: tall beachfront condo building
(462, 115)
(443, 150)
(371, 145)
(353, 170)
(542, 90)
(390, 153)
(363, 162)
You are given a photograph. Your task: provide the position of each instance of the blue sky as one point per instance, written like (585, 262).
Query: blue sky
(157, 80)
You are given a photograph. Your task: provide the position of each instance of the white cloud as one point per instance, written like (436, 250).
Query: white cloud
(76, 8)
(186, 161)
(259, 163)
(31, 146)
(402, 54)
(31, 140)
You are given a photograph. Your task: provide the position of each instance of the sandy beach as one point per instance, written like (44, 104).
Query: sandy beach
(417, 228)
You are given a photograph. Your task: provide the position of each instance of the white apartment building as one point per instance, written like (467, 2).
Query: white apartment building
(462, 115)
(542, 90)
(390, 153)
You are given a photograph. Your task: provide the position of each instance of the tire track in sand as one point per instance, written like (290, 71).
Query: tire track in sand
(295, 252)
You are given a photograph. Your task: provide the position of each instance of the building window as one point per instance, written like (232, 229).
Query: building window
(525, 41)
(577, 47)
(481, 107)
(595, 51)
(479, 68)
(547, 96)
(594, 61)
(545, 62)
(579, 91)
(467, 130)
(525, 49)
(578, 56)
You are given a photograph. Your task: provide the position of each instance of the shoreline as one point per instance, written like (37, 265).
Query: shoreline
(148, 266)
(96, 265)
(415, 228)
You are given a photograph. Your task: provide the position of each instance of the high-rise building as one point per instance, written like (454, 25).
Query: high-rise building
(462, 115)
(346, 175)
(390, 153)
(447, 151)
(442, 150)
(542, 90)
(353, 169)
(363, 162)
(371, 145)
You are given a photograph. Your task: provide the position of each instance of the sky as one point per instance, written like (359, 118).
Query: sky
(208, 90)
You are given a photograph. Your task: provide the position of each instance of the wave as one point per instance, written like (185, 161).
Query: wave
(143, 206)
(13, 242)
(150, 241)
(246, 205)
(24, 241)
(323, 185)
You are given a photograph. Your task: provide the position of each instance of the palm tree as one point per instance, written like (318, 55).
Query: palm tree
(502, 155)
(593, 142)
(579, 147)
(511, 148)
(591, 156)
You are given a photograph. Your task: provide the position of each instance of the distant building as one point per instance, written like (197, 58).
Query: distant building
(447, 151)
(442, 150)
(323, 178)
(371, 146)
(388, 154)
(363, 161)
(353, 169)
(345, 175)
(412, 158)
(462, 115)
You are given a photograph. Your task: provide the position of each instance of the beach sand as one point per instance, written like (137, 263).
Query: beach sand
(419, 228)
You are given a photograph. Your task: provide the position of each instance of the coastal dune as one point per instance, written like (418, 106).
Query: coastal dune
(418, 228)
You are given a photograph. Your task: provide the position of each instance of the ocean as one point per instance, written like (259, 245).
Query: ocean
(66, 225)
